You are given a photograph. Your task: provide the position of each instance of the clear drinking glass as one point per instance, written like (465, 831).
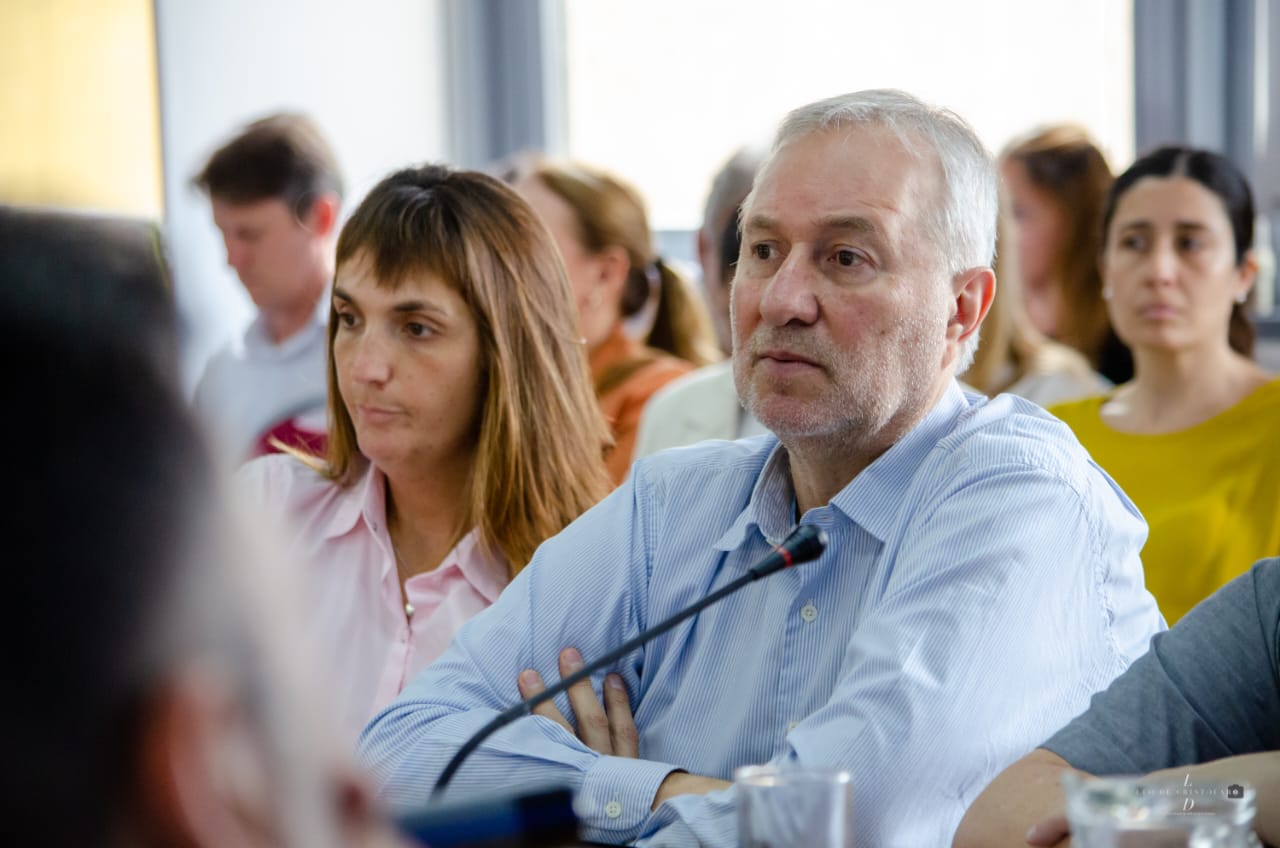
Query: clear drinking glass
(1133, 812)
(794, 807)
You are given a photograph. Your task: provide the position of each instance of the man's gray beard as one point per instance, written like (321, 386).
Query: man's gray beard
(864, 421)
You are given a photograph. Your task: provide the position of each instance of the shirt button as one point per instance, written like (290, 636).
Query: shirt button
(792, 725)
(613, 809)
(809, 612)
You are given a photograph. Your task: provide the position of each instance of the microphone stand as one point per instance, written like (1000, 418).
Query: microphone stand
(805, 543)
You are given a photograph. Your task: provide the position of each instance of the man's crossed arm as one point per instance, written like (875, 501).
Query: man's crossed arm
(608, 728)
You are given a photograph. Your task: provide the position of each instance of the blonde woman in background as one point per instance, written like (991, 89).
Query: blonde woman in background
(600, 225)
(1015, 357)
(462, 428)
(1056, 181)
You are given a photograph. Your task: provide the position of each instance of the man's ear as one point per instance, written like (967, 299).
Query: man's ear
(322, 217)
(201, 778)
(974, 290)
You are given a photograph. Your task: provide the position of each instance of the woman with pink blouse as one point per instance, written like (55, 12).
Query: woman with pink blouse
(463, 428)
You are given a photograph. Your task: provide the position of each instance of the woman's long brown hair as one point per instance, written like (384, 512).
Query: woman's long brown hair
(1065, 164)
(540, 440)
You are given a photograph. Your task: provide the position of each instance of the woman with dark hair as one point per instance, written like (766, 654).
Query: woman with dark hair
(1056, 181)
(600, 225)
(462, 426)
(1191, 438)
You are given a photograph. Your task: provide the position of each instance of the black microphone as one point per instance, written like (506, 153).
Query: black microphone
(805, 543)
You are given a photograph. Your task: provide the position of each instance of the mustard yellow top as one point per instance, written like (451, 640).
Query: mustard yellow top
(1210, 493)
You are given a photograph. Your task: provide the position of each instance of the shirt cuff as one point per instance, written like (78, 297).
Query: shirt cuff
(616, 796)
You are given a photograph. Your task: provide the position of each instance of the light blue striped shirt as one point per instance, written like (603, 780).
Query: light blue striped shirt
(981, 581)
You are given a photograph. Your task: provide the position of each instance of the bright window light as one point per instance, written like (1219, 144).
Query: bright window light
(662, 91)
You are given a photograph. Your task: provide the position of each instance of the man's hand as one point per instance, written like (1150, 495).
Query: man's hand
(1035, 777)
(1028, 794)
(1050, 831)
(608, 729)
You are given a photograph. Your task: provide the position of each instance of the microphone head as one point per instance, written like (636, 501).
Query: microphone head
(806, 542)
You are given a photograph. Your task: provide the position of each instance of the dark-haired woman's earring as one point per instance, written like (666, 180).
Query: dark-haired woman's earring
(1242, 297)
(1106, 293)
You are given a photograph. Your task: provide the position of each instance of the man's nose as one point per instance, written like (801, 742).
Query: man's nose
(790, 295)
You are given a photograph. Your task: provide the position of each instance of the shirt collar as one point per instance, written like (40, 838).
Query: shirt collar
(772, 506)
(870, 500)
(367, 499)
(484, 569)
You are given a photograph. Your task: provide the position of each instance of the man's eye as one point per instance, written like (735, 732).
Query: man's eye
(346, 319)
(848, 258)
(762, 251)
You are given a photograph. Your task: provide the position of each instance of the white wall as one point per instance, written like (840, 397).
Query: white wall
(371, 75)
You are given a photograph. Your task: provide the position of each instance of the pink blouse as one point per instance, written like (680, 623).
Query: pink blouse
(368, 644)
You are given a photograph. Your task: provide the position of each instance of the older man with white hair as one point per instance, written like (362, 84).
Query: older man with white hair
(982, 577)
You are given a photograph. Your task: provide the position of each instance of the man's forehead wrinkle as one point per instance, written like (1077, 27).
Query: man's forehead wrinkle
(869, 221)
(838, 221)
(827, 207)
(864, 218)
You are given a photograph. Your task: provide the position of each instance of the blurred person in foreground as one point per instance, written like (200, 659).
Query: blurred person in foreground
(276, 193)
(1056, 180)
(73, 272)
(1192, 437)
(1202, 707)
(463, 429)
(704, 404)
(602, 229)
(982, 577)
(150, 701)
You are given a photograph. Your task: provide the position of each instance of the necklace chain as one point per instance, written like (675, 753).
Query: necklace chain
(403, 574)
